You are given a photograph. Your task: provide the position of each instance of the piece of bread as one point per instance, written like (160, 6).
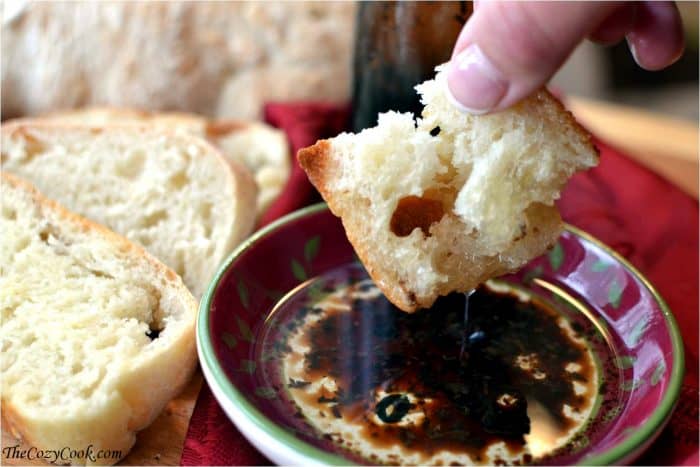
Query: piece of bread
(220, 59)
(97, 335)
(170, 192)
(444, 203)
(261, 148)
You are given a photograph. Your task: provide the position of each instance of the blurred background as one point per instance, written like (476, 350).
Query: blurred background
(227, 59)
(610, 74)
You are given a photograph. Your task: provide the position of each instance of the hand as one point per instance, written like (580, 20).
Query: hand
(508, 50)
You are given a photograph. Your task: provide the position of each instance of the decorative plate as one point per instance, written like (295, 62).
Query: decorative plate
(250, 314)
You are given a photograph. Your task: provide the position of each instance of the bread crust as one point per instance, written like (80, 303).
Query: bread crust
(148, 386)
(566, 118)
(316, 161)
(319, 165)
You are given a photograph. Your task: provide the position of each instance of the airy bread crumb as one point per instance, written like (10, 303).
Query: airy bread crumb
(261, 148)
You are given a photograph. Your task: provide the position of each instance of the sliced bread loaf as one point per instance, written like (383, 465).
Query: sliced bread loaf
(260, 147)
(97, 335)
(170, 192)
(444, 203)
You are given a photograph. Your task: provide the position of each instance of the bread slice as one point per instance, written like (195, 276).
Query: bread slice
(170, 192)
(444, 203)
(78, 305)
(261, 148)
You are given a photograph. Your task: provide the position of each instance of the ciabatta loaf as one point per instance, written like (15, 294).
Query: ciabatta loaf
(97, 335)
(445, 202)
(170, 192)
(223, 59)
(261, 148)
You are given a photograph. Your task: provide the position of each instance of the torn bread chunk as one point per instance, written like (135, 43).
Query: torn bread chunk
(446, 202)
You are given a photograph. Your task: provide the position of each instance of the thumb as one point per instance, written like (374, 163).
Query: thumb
(507, 50)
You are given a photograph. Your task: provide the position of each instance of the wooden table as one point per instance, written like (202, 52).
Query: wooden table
(159, 444)
(666, 145)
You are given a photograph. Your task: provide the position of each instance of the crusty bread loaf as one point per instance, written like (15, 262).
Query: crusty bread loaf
(444, 203)
(261, 148)
(221, 59)
(97, 335)
(102, 116)
(170, 192)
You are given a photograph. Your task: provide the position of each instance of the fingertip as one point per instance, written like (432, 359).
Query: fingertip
(520, 47)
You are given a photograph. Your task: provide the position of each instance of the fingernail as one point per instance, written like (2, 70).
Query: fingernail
(633, 49)
(474, 84)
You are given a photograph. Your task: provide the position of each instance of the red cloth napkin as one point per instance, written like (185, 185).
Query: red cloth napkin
(638, 213)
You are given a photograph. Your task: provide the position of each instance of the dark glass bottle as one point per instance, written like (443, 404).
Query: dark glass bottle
(398, 45)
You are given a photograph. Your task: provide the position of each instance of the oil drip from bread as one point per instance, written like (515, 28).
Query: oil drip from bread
(467, 337)
(485, 377)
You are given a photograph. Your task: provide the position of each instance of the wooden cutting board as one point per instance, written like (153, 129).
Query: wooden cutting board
(159, 444)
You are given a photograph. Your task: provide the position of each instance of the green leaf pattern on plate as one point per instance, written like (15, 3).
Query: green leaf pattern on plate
(298, 271)
(600, 266)
(638, 330)
(556, 256)
(229, 339)
(615, 294)
(243, 294)
(311, 248)
(631, 385)
(658, 373)
(246, 333)
(625, 361)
